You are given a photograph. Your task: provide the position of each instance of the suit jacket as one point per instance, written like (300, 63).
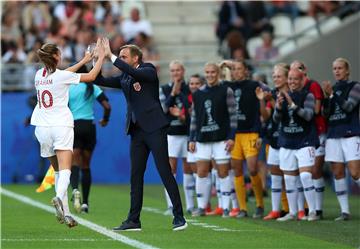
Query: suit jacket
(141, 89)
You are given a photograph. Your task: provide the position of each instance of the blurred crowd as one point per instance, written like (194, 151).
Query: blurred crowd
(238, 21)
(72, 25)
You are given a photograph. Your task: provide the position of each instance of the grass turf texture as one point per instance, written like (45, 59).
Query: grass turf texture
(24, 226)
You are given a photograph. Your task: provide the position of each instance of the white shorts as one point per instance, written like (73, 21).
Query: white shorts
(212, 150)
(342, 149)
(177, 146)
(291, 160)
(54, 138)
(273, 157)
(320, 151)
(191, 157)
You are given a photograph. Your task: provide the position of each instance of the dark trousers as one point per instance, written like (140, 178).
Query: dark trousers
(142, 143)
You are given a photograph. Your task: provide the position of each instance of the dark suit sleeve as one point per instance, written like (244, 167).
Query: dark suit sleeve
(113, 82)
(141, 74)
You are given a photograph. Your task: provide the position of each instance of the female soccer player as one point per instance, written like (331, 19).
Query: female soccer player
(341, 107)
(54, 121)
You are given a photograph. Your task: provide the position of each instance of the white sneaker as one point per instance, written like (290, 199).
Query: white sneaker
(287, 217)
(313, 217)
(77, 200)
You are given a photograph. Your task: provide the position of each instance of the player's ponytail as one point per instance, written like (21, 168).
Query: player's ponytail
(46, 55)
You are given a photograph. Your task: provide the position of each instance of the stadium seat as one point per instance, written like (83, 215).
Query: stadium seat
(330, 24)
(306, 23)
(283, 25)
(252, 44)
(285, 48)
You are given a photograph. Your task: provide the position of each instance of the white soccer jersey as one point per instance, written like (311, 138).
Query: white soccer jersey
(53, 98)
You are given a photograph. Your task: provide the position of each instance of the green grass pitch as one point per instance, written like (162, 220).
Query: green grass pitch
(25, 226)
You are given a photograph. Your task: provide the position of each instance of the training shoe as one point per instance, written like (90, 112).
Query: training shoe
(343, 216)
(320, 214)
(198, 212)
(226, 213)
(216, 211)
(128, 225)
(242, 214)
(259, 213)
(287, 217)
(283, 213)
(179, 223)
(76, 197)
(56, 202)
(272, 215)
(234, 212)
(84, 208)
(70, 221)
(301, 215)
(190, 210)
(169, 211)
(313, 217)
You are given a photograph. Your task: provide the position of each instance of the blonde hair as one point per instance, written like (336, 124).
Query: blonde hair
(345, 61)
(46, 55)
(285, 68)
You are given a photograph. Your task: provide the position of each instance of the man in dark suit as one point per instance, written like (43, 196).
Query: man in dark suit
(147, 125)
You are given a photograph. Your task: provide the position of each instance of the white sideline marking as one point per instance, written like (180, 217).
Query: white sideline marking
(195, 222)
(86, 223)
(52, 240)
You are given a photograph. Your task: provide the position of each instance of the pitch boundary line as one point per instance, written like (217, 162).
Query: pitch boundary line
(195, 222)
(92, 226)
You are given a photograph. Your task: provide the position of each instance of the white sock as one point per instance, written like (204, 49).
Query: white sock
(276, 188)
(319, 192)
(291, 193)
(225, 187)
(233, 197)
(357, 182)
(301, 196)
(309, 190)
(62, 182)
(218, 189)
(56, 179)
(202, 191)
(342, 194)
(189, 189)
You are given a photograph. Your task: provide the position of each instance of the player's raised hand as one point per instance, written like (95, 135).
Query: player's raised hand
(327, 88)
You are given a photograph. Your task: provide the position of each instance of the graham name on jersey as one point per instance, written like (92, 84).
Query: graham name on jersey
(43, 82)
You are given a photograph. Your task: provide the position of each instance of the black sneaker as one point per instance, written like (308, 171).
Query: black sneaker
(179, 224)
(70, 221)
(128, 225)
(259, 213)
(283, 213)
(320, 214)
(242, 214)
(343, 217)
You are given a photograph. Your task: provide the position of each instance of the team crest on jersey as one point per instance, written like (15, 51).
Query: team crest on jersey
(137, 86)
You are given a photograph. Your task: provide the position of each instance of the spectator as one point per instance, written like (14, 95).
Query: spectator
(231, 17)
(322, 7)
(133, 26)
(257, 17)
(287, 7)
(14, 54)
(36, 15)
(266, 51)
(149, 50)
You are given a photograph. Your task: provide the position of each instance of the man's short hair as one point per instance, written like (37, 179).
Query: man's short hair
(134, 51)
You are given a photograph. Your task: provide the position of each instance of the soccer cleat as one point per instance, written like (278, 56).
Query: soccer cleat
(128, 225)
(56, 202)
(259, 213)
(169, 211)
(343, 217)
(84, 208)
(234, 212)
(70, 221)
(198, 212)
(226, 213)
(76, 197)
(287, 217)
(242, 214)
(301, 215)
(320, 214)
(216, 211)
(272, 215)
(179, 223)
(313, 217)
(208, 208)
